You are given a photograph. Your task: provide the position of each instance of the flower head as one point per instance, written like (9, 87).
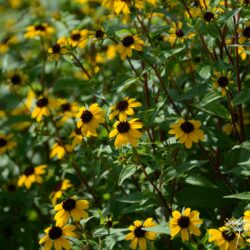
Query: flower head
(57, 236)
(78, 38)
(222, 80)
(225, 238)
(16, 78)
(71, 208)
(55, 51)
(31, 175)
(139, 236)
(124, 108)
(129, 43)
(244, 33)
(187, 132)
(185, 223)
(41, 109)
(126, 132)
(90, 119)
(6, 143)
(42, 29)
(59, 150)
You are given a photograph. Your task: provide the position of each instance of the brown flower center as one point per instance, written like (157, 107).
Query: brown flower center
(122, 105)
(223, 81)
(179, 33)
(208, 16)
(40, 27)
(99, 34)
(42, 102)
(55, 233)
(187, 127)
(56, 48)
(246, 32)
(69, 204)
(3, 142)
(75, 37)
(65, 107)
(16, 79)
(139, 233)
(183, 221)
(29, 171)
(86, 116)
(228, 235)
(128, 41)
(123, 127)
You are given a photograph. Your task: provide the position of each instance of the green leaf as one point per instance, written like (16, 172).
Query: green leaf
(164, 56)
(198, 180)
(161, 229)
(209, 97)
(244, 145)
(242, 97)
(196, 90)
(126, 172)
(229, 14)
(216, 109)
(205, 72)
(133, 198)
(239, 196)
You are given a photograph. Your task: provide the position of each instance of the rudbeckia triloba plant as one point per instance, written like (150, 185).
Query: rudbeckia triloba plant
(124, 124)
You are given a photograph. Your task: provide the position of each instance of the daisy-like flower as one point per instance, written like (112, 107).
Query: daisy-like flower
(129, 43)
(126, 132)
(90, 119)
(59, 150)
(78, 38)
(222, 80)
(185, 223)
(77, 137)
(138, 236)
(225, 238)
(98, 34)
(229, 127)
(31, 175)
(123, 6)
(6, 143)
(42, 29)
(246, 220)
(177, 33)
(55, 51)
(187, 131)
(6, 43)
(16, 78)
(59, 189)
(71, 208)
(41, 109)
(244, 33)
(57, 236)
(124, 108)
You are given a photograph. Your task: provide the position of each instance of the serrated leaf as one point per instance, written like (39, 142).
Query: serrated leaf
(239, 196)
(126, 172)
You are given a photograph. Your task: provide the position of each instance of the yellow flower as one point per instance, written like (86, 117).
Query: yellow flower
(55, 51)
(78, 38)
(124, 108)
(98, 34)
(246, 220)
(229, 127)
(59, 150)
(138, 236)
(185, 223)
(6, 42)
(129, 43)
(123, 6)
(177, 34)
(16, 78)
(90, 119)
(187, 132)
(58, 190)
(77, 137)
(42, 29)
(222, 80)
(31, 175)
(57, 236)
(244, 33)
(71, 208)
(225, 238)
(126, 132)
(15, 3)
(41, 109)
(5, 143)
